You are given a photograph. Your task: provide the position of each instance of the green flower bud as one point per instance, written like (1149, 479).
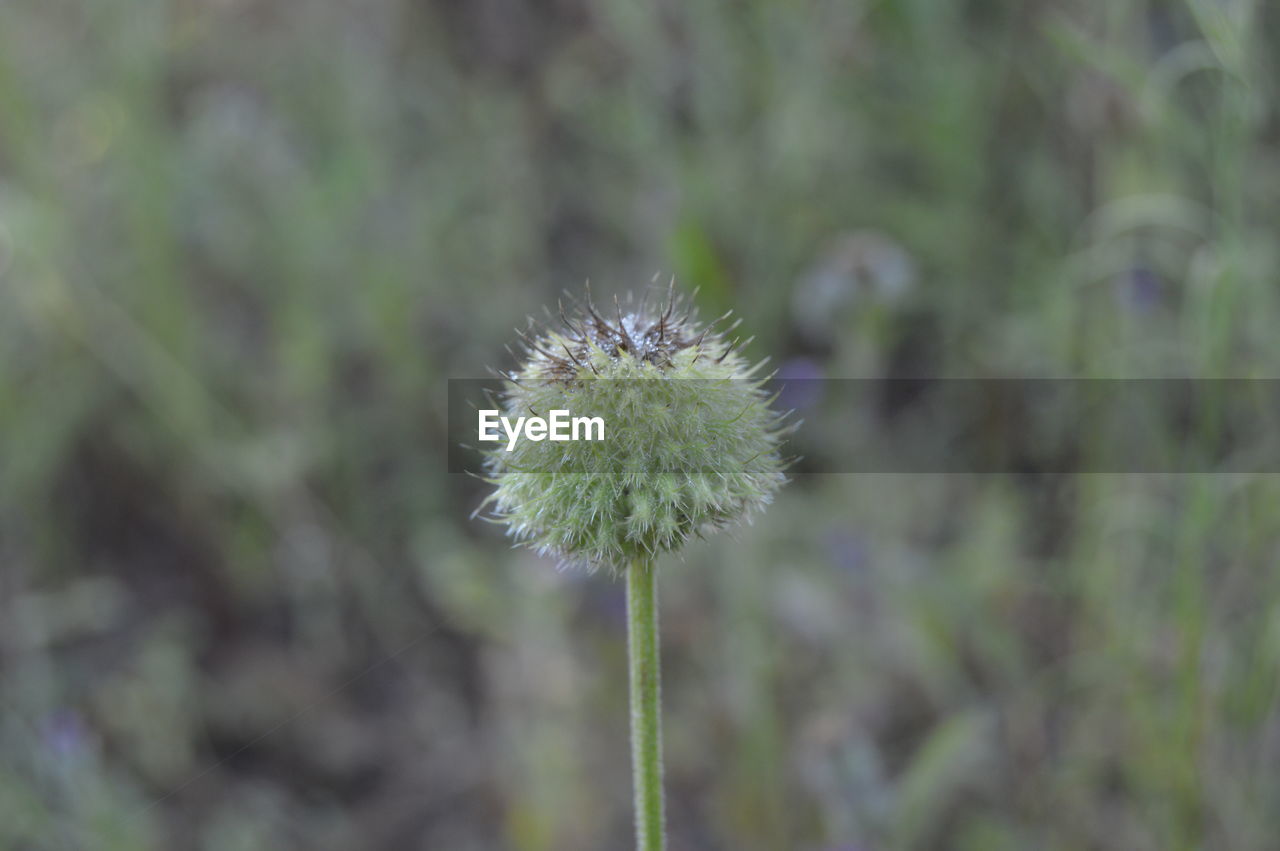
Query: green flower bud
(690, 443)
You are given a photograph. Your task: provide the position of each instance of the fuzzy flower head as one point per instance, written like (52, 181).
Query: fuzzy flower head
(689, 442)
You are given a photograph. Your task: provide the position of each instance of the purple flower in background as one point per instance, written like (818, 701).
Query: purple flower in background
(847, 550)
(800, 384)
(1140, 290)
(64, 734)
(606, 601)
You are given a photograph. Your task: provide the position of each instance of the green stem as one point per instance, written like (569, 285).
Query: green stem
(646, 704)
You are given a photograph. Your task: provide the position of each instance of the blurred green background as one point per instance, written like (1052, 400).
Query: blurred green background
(244, 243)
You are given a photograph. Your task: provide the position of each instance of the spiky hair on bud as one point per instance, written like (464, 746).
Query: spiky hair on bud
(690, 441)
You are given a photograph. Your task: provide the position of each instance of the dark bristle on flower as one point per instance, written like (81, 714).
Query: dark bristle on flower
(648, 334)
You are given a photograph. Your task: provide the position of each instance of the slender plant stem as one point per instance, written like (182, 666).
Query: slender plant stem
(646, 704)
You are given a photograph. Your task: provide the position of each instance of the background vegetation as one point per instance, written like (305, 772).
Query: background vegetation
(243, 243)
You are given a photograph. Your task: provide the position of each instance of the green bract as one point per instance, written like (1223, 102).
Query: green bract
(690, 442)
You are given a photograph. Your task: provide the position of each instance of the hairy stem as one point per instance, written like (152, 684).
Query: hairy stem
(646, 704)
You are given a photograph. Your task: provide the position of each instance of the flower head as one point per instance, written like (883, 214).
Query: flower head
(690, 443)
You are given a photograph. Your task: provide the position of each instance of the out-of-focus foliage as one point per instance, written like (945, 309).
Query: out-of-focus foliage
(243, 243)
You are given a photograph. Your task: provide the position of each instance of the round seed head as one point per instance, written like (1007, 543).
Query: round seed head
(690, 443)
